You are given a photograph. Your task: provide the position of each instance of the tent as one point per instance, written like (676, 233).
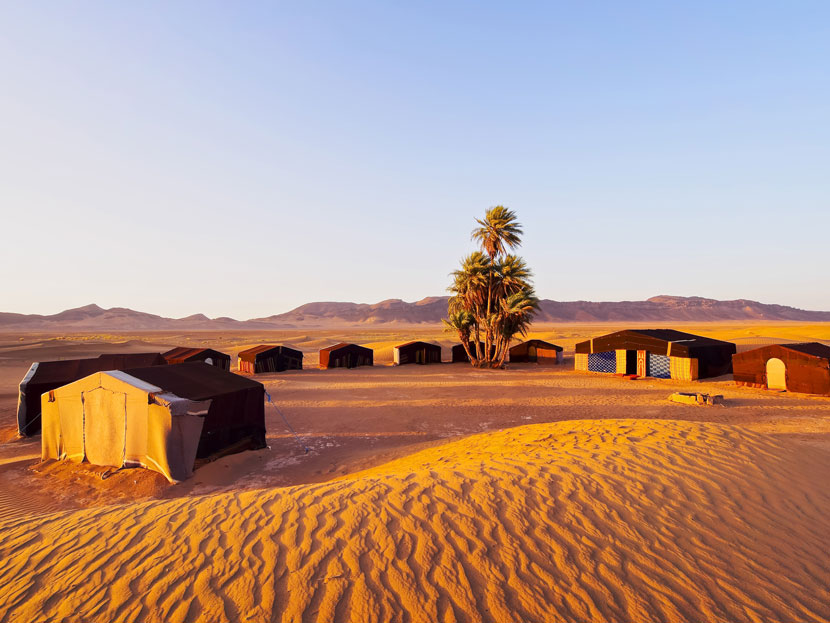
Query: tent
(801, 368)
(346, 356)
(537, 351)
(162, 418)
(416, 352)
(270, 358)
(182, 354)
(658, 353)
(46, 375)
(459, 354)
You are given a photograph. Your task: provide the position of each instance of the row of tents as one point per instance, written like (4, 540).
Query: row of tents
(666, 353)
(141, 410)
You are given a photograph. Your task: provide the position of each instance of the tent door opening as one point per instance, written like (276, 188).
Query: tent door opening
(631, 362)
(532, 354)
(105, 426)
(776, 374)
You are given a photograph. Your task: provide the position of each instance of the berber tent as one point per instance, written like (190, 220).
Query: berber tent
(183, 354)
(162, 418)
(803, 368)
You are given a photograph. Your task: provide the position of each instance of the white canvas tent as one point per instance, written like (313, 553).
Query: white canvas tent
(113, 418)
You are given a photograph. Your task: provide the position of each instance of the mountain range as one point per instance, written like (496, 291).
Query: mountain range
(428, 311)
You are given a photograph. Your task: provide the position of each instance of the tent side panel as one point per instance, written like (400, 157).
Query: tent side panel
(581, 361)
(605, 362)
(234, 419)
(808, 377)
(51, 444)
(622, 356)
(683, 368)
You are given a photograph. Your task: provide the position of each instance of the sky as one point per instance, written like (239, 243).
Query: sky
(241, 158)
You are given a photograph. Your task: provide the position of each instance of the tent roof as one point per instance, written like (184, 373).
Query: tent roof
(193, 380)
(671, 335)
(255, 350)
(539, 343)
(183, 352)
(330, 349)
(60, 371)
(417, 342)
(815, 349)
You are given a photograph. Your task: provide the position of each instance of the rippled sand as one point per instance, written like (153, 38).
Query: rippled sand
(602, 520)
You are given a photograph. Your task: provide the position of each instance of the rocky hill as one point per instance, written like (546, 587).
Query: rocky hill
(658, 309)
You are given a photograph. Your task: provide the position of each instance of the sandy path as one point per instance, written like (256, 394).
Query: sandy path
(615, 520)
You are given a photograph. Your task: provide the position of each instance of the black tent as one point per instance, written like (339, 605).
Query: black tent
(417, 352)
(44, 376)
(536, 351)
(346, 356)
(660, 353)
(270, 358)
(183, 354)
(236, 416)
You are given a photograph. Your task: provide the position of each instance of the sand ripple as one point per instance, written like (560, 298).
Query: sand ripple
(615, 520)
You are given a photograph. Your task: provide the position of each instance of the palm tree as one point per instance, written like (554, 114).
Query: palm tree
(492, 292)
(497, 232)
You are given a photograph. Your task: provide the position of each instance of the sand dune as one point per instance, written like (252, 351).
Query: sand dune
(611, 520)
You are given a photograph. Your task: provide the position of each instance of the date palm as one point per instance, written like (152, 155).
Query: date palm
(492, 291)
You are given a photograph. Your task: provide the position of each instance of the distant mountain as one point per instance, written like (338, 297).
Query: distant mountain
(428, 311)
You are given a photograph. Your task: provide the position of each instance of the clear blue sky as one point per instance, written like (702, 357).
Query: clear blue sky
(243, 158)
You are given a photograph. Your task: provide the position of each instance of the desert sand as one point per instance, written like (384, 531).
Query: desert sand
(438, 493)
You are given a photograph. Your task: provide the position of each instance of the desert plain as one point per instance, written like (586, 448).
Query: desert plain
(437, 493)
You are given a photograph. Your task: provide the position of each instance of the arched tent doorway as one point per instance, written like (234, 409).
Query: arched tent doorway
(776, 374)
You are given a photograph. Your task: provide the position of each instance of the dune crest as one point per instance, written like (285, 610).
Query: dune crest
(611, 520)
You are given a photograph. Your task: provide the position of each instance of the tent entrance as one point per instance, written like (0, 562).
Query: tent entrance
(642, 363)
(532, 353)
(105, 426)
(631, 362)
(776, 374)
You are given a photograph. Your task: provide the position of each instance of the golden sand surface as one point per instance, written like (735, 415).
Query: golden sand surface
(609, 520)
(438, 493)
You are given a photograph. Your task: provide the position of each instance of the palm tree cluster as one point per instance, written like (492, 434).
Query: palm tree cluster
(492, 299)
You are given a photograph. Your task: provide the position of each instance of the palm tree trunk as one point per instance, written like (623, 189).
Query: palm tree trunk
(487, 333)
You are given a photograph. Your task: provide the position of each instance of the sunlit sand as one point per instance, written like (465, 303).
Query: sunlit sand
(439, 493)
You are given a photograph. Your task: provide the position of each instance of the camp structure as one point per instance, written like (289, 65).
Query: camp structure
(416, 352)
(536, 351)
(803, 368)
(183, 354)
(162, 418)
(346, 356)
(460, 355)
(270, 358)
(658, 353)
(46, 375)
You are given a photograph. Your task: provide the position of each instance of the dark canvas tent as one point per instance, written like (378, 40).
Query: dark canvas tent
(460, 355)
(416, 352)
(537, 351)
(659, 353)
(183, 354)
(346, 356)
(47, 375)
(162, 417)
(801, 368)
(270, 358)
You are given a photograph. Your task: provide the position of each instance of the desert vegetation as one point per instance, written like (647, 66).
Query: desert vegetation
(492, 299)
